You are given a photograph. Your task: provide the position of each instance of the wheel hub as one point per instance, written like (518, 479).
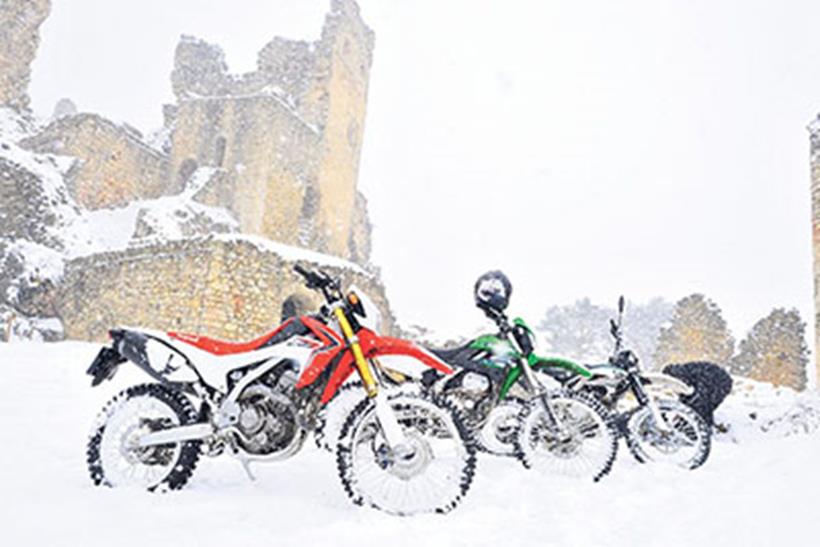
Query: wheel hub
(146, 455)
(405, 461)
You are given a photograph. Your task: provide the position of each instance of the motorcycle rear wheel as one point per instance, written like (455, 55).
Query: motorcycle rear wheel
(115, 460)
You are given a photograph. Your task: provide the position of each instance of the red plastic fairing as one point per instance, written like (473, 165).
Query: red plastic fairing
(341, 373)
(332, 344)
(223, 347)
(374, 345)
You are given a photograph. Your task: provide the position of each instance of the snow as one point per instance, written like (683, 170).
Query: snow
(38, 261)
(20, 327)
(160, 139)
(13, 127)
(760, 490)
(104, 230)
(292, 253)
(759, 409)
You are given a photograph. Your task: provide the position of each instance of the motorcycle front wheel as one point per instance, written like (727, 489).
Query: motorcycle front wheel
(429, 475)
(579, 441)
(687, 442)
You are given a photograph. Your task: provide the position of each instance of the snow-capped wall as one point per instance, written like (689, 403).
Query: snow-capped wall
(229, 286)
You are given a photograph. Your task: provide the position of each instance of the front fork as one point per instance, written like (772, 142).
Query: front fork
(539, 391)
(393, 432)
(645, 399)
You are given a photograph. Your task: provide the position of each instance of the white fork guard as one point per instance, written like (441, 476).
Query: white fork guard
(393, 432)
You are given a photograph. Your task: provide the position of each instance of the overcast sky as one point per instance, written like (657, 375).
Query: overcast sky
(587, 148)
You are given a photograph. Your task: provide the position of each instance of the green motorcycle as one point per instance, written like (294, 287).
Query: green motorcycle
(500, 392)
(501, 388)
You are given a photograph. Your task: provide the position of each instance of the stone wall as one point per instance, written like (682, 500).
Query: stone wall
(20, 22)
(360, 243)
(115, 167)
(814, 129)
(224, 288)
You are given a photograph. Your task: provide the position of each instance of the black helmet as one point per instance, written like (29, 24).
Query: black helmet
(493, 290)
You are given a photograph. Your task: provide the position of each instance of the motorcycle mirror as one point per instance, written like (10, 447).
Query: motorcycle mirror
(621, 304)
(613, 328)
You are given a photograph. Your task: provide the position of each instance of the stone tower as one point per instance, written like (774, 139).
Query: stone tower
(814, 132)
(20, 22)
(288, 134)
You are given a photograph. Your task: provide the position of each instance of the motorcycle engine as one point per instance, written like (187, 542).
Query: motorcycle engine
(470, 393)
(268, 424)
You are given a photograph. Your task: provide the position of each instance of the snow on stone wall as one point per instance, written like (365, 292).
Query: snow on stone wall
(228, 287)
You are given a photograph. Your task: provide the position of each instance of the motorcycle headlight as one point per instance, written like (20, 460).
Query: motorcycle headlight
(524, 338)
(371, 317)
(628, 360)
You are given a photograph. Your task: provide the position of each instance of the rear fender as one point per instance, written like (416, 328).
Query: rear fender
(156, 357)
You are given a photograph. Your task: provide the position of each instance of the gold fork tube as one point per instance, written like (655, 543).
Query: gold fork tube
(365, 373)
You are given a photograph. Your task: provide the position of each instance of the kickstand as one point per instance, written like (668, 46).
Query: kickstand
(246, 465)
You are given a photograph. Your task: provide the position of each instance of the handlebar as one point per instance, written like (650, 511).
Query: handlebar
(318, 280)
(497, 317)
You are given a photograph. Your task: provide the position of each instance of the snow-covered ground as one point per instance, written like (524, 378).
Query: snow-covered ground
(756, 489)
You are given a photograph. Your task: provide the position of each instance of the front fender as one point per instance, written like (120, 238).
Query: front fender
(605, 376)
(408, 356)
(384, 346)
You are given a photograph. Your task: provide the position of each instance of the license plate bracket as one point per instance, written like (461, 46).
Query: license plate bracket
(105, 365)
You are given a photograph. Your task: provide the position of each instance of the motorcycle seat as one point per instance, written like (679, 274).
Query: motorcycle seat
(450, 354)
(558, 374)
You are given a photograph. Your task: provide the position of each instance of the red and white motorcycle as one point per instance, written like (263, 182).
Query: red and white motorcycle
(403, 452)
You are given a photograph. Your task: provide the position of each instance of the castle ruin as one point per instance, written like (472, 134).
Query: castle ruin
(242, 159)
